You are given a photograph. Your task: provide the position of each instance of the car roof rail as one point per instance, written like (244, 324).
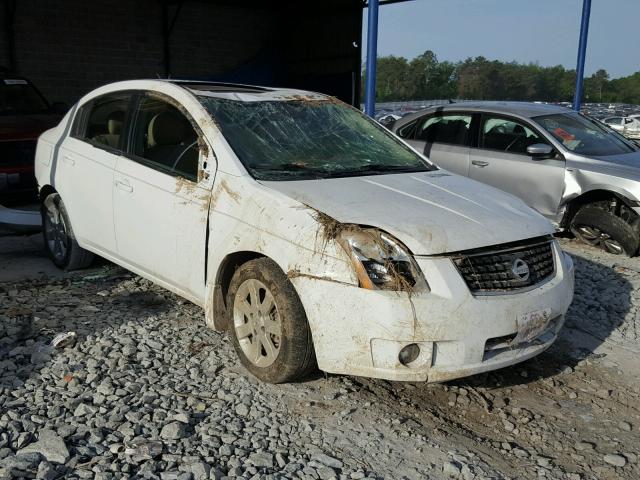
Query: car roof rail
(199, 84)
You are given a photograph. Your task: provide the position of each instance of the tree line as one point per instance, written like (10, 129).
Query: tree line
(425, 78)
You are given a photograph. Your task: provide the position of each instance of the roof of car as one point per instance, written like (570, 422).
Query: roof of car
(207, 86)
(523, 109)
(238, 91)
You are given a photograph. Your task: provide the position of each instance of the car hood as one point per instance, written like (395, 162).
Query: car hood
(430, 212)
(626, 165)
(25, 127)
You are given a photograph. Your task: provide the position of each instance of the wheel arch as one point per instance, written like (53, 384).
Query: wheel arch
(45, 191)
(215, 305)
(592, 196)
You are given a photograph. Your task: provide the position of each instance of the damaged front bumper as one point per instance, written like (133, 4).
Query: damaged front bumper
(361, 332)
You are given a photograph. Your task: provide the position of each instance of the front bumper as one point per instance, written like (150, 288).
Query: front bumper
(361, 332)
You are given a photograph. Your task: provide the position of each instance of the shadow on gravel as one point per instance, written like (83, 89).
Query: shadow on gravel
(603, 298)
(33, 312)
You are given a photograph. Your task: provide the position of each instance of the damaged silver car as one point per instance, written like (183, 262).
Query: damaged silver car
(578, 173)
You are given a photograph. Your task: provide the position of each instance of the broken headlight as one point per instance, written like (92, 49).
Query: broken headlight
(381, 262)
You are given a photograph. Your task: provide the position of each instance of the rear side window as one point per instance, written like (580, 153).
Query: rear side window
(407, 131)
(452, 129)
(164, 138)
(507, 135)
(101, 121)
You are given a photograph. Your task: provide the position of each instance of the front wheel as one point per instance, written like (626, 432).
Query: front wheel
(59, 240)
(267, 323)
(601, 228)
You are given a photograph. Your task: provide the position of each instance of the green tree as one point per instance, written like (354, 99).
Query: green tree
(426, 78)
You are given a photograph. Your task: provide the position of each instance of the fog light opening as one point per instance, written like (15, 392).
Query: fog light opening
(408, 354)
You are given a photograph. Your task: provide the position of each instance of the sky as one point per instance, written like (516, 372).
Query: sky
(540, 31)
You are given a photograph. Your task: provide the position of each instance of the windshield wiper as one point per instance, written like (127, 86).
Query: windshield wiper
(379, 170)
(290, 169)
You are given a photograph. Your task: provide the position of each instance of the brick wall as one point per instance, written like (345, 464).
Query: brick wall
(68, 47)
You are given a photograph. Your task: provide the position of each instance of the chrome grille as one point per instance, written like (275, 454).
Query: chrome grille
(500, 268)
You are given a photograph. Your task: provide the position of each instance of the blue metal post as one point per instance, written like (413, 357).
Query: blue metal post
(582, 53)
(372, 58)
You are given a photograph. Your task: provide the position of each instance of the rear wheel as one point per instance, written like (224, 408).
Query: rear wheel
(59, 240)
(600, 227)
(267, 323)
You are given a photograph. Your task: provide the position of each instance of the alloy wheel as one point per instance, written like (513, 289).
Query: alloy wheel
(596, 237)
(257, 323)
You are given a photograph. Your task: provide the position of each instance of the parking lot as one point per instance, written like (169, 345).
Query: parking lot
(149, 392)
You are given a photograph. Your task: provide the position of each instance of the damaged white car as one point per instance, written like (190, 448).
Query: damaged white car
(309, 232)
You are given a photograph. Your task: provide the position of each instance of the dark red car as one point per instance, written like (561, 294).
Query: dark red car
(24, 115)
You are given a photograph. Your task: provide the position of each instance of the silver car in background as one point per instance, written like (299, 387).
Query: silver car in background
(578, 173)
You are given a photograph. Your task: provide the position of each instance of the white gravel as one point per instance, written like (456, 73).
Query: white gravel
(148, 392)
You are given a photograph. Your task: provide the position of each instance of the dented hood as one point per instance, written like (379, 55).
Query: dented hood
(430, 212)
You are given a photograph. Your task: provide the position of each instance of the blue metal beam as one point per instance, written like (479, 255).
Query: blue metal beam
(372, 58)
(582, 53)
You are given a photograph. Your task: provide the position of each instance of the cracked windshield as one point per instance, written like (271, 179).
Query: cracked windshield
(302, 140)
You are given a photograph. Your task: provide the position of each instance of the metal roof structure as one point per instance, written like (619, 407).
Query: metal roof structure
(372, 52)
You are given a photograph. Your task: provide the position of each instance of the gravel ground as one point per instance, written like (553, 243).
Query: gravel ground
(148, 392)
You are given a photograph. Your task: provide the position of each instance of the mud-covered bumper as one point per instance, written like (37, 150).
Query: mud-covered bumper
(361, 332)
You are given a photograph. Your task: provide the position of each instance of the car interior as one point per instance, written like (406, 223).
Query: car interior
(165, 137)
(509, 137)
(110, 131)
(445, 131)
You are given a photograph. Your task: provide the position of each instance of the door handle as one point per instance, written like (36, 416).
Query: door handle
(479, 163)
(124, 186)
(69, 160)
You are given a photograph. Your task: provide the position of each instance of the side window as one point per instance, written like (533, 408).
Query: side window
(507, 135)
(451, 129)
(614, 121)
(101, 121)
(165, 139)
(407, 131)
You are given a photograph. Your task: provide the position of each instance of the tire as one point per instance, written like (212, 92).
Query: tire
(271, 335)
(599, 227)
(59, 239)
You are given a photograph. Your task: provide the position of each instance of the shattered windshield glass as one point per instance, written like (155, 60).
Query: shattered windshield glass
(584, 136)
(309, 139)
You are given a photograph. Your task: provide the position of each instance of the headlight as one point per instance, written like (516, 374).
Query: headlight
(381, 262)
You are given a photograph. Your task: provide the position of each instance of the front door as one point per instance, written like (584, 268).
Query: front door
(161, 198)
(501, 160)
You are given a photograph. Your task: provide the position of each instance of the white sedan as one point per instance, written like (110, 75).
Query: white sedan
(309, 232)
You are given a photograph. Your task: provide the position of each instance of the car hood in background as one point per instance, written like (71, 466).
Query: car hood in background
(625, 166)
(26, 127)
(431, 212)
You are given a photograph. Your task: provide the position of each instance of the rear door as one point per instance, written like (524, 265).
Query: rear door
(84, 168)
(501, 160)
(161, 196)
(444, 138)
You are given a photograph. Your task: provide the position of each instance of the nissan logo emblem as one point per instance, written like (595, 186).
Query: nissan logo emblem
(520, 269)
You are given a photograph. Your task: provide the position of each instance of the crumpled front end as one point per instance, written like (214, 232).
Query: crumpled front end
(458, 332)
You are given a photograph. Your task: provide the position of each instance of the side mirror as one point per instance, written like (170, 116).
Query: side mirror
(59, 107)
(540, 151)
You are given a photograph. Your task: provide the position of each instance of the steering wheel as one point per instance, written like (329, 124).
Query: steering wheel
(189, 147)
(511, 144)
